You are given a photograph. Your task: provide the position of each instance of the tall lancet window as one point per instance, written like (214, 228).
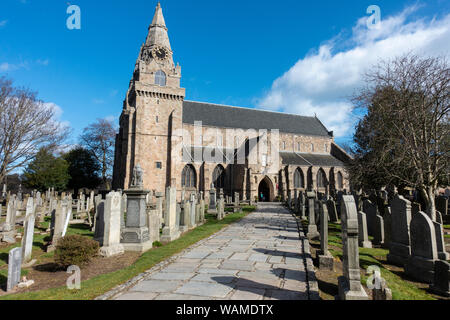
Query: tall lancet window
(160, 78)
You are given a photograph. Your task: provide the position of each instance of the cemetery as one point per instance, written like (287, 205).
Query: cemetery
(188, 200)
(56, 217)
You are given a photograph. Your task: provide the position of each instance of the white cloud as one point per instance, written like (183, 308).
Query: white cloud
(3, 23)
(5, 66)
(322, 81)
(43, 62)
(57, 113)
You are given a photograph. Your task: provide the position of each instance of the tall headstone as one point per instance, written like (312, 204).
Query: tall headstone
(154, 223)
(424, 252)
(350, 283)
(363, 236)
(193, 203)
(302, 205)
(10, 215)
(324, 256)
(400, 246)
(378, 230)
(185, 215)
(212, 201)
(135, 235)
(99, 223)
(332, 212)
(312, 227)
(14, 267)
(440, 242)
(442, 204)
(170, 230)
(221, 208)
(371, 211)
(159, 206)
(387, 220)
(27, 240)
(110, 243)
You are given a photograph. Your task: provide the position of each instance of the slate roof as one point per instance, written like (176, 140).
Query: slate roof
(245, 118)
(308, 159)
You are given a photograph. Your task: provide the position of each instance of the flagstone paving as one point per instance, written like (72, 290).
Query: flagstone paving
(264, 256)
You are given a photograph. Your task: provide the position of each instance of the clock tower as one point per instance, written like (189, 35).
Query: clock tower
(151, 120)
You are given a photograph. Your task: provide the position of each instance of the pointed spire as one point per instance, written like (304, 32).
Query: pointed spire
(158, 18)
(157, 32)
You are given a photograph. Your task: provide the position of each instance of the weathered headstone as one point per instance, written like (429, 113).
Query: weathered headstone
(192, 203)
(154, 225)
(14, 268)
(312, 227)
(110, 242)
(159, 206)
(363, 236)
(212, 201)
(135, 236)
(400, 246)
(440, 242)
(332, 212)
(185, 215)
(371, 211)
(387, 220)
(170, 230)
(10, 215)
(350, 283)
(27, 240)
(378, 230)
(324, 257)
(442, 204)
(99, 219)
(423, 248)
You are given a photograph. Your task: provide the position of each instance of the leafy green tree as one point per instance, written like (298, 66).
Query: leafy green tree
(83, 169)
(46, 171)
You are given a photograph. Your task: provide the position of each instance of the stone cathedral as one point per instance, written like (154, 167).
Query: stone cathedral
(300, 156)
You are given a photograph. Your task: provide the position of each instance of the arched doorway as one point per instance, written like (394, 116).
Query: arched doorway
(265, 190)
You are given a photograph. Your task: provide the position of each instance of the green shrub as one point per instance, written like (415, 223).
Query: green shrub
(157, 244)
(75, 250)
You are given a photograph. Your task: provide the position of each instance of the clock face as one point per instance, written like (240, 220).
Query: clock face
(160, 53)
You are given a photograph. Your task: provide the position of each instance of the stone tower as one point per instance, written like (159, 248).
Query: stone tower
(151, 120)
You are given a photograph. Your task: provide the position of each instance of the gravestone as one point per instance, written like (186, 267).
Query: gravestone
(99, 219)
(10, 223)
(378, 235)
(424, 252)
(135, 236)
(202, 208)
(332, 212)
(185, 216)
(400, 246)
(363, 236)
(192, 203)
(159, 207)
(170, 230)
(154, 225)
(371, 211)
(110, 242)
(324, 256)
(441, 282)
(212, 201)
(221, 208)
(387, 218)
(14, 267)
(440, 242)
(27, 240)
(312, 227)
(350, 283)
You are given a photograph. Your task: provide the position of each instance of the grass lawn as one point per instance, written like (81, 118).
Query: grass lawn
(101, 284)
(401, 288)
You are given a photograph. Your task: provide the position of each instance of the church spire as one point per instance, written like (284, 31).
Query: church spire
(157, 32)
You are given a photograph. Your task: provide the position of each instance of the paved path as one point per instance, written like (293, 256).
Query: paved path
(263, 256)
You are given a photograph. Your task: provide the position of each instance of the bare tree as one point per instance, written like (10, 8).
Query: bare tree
(404, 137)
(26, 125)
(99, 138)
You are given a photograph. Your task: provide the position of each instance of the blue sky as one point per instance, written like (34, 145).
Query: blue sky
(301, 57)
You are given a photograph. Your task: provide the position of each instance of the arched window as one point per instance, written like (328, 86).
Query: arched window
(321, 179)
(340, 181)
(160, 78)
(219, 177)
(188, 177)
(298, 179)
